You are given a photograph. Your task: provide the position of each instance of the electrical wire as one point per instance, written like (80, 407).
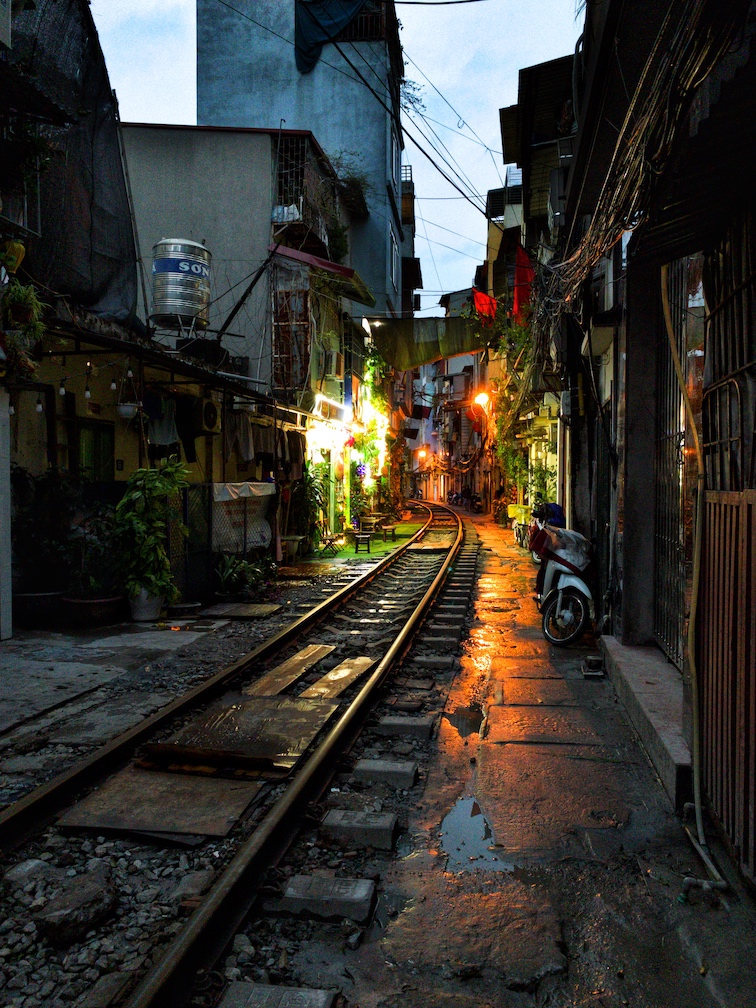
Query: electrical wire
(460, 120)
(475, 241)
(360, 77)
(688, 46)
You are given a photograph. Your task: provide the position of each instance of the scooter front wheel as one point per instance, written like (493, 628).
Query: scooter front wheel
(564, 617)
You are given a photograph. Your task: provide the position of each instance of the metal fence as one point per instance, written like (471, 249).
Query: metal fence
(669, 532)
(727, 661)
(240, 527)
(727, 621)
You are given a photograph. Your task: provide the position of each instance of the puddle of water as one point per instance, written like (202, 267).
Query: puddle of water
(466, 838)
(466, 720)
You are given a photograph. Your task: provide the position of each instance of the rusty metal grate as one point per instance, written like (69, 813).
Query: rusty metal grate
(727, 621)
(727, 660)
(669, 531)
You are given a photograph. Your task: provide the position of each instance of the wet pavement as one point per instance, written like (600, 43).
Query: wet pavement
(544, 863)
(540, 864)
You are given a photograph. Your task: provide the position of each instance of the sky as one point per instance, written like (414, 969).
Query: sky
(465, 58)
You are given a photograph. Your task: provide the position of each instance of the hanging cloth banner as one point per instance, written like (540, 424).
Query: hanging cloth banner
(485, 306)
(319, 21)
(523, 284)
(408, 343)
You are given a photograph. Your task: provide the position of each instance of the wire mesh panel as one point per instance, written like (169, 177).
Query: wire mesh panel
(244, 524)
(238, 526)
(669, 532)
(191, 554)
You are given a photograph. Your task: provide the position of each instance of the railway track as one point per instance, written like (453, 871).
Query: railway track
(293, 739)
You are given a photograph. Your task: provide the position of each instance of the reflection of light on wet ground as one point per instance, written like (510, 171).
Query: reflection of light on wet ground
(467, 838)
(466, 719)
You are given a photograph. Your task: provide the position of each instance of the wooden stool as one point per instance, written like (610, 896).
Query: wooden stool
(386, 529)
(361, 539)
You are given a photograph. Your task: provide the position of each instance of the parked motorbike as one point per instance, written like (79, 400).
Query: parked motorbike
(564, 599)
(544, 514)
(476, 504)
(520, 515)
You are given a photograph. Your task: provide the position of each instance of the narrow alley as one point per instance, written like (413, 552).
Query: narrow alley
(536, 860)
(543, 863)
(377, 504)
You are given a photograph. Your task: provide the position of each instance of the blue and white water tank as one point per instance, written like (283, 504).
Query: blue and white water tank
(180, 284)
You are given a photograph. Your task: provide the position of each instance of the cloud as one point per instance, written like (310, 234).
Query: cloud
(471, 52)
(150, 54)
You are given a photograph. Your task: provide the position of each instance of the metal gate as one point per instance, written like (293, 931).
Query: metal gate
(727, 621)
(669, 532)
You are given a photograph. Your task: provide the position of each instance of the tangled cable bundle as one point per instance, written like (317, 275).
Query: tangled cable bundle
(693, 38)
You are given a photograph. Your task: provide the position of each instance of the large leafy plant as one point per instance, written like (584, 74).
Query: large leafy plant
(142, 518)
(310, 498)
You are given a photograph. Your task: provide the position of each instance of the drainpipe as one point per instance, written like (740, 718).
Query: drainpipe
(698, 840)
(6, 600)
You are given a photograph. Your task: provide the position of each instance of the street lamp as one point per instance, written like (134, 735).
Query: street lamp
(482, 399)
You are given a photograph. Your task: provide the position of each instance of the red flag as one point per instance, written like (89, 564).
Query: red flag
(485, 306)
(523, 284)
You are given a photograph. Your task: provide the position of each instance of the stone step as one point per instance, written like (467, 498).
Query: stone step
(361, 829)
(405, 727)
(408, 706)
(326, 898)
(241, 994)
(395, 773)
(433, 661)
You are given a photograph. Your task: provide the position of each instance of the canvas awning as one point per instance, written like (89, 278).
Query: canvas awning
(348, 281)
(408, 343)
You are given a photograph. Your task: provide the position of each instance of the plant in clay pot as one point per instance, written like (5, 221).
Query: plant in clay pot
(142, 516)
(309, 499)
(237, 576)
(22, 325)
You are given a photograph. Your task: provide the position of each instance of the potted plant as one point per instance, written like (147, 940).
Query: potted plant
(22, 325)
(142, 517)
(309, 500)
(237, 576)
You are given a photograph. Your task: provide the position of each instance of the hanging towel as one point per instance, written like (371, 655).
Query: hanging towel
(161, 428)
(185, 425)
(296, 443)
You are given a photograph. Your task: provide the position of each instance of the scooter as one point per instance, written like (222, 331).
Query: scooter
(564, 599)
(476, 504)
(544, 514)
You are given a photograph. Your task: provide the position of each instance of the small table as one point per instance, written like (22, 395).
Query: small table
(369, 525)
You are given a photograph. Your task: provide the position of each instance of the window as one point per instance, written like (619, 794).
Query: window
(95, 451)
(394, 260)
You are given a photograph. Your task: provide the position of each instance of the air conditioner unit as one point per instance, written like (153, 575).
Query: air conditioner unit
(334, 364)
(565, 405)
(206, 416)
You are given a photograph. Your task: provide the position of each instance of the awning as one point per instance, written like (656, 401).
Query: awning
(408, 343)
(235, 491)
(348, 281)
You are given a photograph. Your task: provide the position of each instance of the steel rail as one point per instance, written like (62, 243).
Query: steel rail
(213, 924)
(40, 805)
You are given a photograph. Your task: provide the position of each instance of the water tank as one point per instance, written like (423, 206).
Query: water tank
(180, 284)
